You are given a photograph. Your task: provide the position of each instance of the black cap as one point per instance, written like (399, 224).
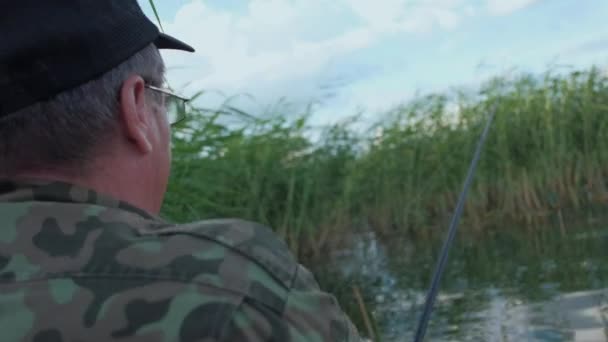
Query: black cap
(49, 46)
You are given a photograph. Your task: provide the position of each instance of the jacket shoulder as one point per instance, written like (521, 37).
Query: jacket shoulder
(240, 239)
(238, 256)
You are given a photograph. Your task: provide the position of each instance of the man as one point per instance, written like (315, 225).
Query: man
(84, 162)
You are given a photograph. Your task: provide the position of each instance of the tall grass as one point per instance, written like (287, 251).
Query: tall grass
(546, 153)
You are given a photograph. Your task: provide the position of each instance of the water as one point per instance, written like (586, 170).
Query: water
(509, 285)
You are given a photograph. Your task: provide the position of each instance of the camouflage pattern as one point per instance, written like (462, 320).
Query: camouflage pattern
(78, 266)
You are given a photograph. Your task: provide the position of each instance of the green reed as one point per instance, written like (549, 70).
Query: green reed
(546, 155)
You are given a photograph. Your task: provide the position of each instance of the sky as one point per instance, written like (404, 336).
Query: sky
(350, 56)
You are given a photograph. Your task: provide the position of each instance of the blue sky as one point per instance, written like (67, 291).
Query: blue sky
(371, 55)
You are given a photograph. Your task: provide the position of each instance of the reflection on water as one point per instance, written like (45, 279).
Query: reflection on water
(504, 286)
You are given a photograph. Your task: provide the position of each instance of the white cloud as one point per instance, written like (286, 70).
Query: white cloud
(410, 15)
(266, 47)
(283, 47)
(505, 7)
(287, 48)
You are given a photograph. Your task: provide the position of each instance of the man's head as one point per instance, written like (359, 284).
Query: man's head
(79, 99)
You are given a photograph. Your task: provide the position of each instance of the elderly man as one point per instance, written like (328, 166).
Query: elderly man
(84, 161)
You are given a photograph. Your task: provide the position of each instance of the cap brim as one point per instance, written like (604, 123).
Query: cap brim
(165, 41)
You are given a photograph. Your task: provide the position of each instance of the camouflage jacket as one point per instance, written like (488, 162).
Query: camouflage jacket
(78, 266)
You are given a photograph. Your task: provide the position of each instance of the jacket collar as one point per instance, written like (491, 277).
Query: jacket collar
(62, 192)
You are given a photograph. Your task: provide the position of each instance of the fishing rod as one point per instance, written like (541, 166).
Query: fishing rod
(447, 244)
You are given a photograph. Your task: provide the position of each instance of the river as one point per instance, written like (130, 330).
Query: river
(510, 284)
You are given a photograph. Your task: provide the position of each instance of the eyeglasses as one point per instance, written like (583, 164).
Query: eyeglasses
(175, 104)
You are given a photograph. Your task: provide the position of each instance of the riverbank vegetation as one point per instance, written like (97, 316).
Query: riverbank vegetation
(546, 154)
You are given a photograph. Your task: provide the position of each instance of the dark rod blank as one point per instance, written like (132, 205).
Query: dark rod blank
(447, 244)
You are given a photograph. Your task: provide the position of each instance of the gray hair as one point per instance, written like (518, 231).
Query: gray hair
(65, 132)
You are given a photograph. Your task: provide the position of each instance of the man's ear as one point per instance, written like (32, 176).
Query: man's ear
(133, 113)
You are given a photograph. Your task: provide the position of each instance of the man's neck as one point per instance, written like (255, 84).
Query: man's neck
(106, 183)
